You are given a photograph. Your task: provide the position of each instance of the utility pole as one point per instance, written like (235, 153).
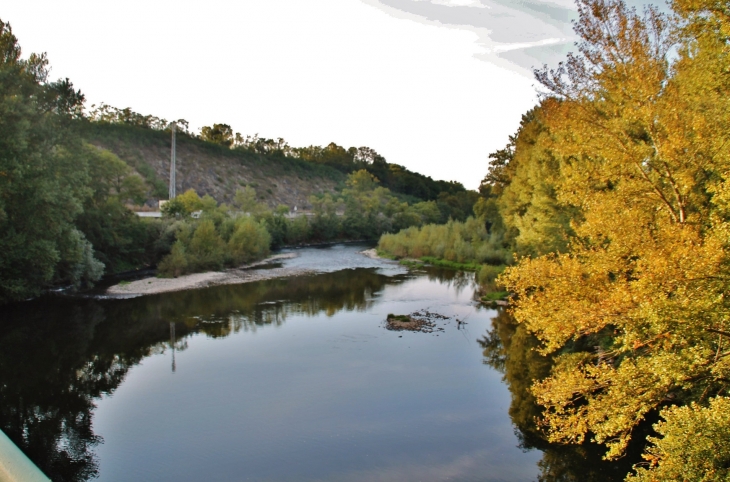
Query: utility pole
(172, 163)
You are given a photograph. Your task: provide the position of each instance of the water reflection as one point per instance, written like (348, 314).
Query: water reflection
(458, 280)
(57, 355)
(60, 356)
(510, 349)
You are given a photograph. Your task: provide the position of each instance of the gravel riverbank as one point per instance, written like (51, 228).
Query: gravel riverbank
(258, 271)
(243, 274)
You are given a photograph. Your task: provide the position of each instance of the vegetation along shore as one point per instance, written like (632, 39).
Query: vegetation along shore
(605, 221)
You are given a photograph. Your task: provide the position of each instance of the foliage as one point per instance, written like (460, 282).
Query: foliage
(277, 225)
(510, 349)
(246, 201)
(63, 200)
(220, 238)
(467, 242)
(454, 200)
(218, 134)
(630, 145)
(494, 296)
(225, 236)
(261, 145)
(325, 224)
(107, 114)
(174, 208)
(174, 264)
(694, 444)
(42, 183)
(120, 239)
(198, 247)
(412, 263)
(206, 247)
(535, 221)
(250, 240)
(298, 230)
(368, 207)
(451, 264)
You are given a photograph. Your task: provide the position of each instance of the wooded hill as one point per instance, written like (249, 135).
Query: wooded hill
(218, 163)
(210, 168)
(68, 176)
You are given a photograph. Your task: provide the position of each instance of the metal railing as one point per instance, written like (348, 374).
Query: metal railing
(15, 466)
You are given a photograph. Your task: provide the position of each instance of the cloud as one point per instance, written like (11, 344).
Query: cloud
(517, 34)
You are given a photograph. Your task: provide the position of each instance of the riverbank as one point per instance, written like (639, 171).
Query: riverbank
(269, 268)
(371, 253)
(243, 274)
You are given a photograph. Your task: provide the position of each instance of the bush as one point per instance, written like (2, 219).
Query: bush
(298, 230)
(250, 241)
(206, 250)
(175, 263)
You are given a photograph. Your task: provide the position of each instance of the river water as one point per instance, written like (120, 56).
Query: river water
(279, 380)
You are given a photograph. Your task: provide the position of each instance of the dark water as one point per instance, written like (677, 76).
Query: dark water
(288, 379)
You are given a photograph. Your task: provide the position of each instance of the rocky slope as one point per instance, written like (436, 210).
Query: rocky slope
(212, 169)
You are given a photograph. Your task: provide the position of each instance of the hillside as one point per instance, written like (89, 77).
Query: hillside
(212, 169)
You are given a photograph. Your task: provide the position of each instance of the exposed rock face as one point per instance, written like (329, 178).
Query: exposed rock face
(214, 170)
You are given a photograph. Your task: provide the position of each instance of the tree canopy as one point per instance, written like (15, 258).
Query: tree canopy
(631, 166)
(42, 182)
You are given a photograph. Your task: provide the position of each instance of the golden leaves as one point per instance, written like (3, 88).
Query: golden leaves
(643, 158)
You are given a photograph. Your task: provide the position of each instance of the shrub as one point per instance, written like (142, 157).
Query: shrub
(175, 263)
(206, 249)
(250, 241)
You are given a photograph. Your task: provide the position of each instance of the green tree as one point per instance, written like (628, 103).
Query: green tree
(175, 208)
(218, 134)
(247, 201)
(298, 230)
(42, 183)
(175, 264)
(250, 240)
(369, 207)
(325, 224)
(277, 225)
(206, 249)
(133, 189)
(120, 239)
(191, 201)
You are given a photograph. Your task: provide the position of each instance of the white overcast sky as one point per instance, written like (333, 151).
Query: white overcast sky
(435, 85)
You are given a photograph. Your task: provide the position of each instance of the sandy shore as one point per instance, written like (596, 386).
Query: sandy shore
(371, 253)
(243, 274)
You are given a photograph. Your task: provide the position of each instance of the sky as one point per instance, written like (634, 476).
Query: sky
(434, 85)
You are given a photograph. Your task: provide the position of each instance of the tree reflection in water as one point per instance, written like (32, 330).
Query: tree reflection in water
(57, 355)
(511, 350)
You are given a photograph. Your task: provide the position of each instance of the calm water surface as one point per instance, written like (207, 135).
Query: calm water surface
(280, 380)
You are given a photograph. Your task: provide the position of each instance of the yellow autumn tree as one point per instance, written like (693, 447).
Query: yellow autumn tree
(636, 310)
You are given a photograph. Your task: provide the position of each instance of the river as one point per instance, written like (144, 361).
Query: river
(286, 379)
